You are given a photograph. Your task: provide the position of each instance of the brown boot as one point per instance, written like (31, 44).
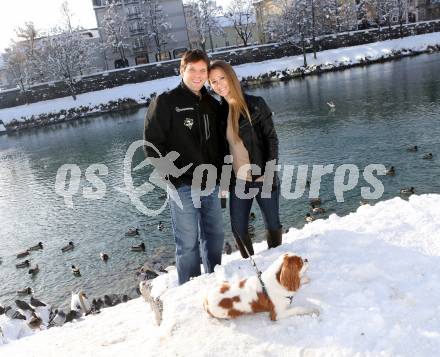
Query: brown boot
(247, 240)
(274, 238)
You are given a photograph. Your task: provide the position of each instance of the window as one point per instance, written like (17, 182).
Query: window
(139, 42)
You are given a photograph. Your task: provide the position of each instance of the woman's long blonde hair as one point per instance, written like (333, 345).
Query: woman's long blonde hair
(237, 103)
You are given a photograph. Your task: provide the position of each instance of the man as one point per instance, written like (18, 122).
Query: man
(185, 120)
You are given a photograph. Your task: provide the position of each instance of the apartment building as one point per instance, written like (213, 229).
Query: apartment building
(140, 47)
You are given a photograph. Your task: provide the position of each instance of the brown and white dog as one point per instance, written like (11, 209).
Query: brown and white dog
(282, 279)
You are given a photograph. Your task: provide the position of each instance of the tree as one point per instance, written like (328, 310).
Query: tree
(18, 66)
(159, 30)
(21, 57)
(242, 15)
(203, 20)
(65, 52)
(115, 31)
(402, 14)
(381, 11)
(346, 15)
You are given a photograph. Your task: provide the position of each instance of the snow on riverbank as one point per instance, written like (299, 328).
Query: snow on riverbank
(141, 91)
(375, 276)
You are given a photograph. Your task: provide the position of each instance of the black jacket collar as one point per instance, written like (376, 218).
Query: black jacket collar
(184, 87)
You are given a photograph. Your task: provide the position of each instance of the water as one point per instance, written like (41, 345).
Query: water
(380, 110)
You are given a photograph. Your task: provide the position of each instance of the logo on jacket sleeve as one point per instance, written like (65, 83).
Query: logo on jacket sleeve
(188, 122)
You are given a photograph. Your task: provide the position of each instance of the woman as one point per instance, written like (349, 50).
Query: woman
(250, 134)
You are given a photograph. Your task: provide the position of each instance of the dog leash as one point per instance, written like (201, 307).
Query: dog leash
(258, 271)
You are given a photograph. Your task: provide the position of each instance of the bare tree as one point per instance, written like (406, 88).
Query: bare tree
(402, 14)
(203, 21)
(18, 66)
(115, 31)
(242, 15)
(347, 16)
(159, 30)
(65, 52)
(21, 58)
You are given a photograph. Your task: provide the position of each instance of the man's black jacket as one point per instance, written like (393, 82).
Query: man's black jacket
(179, 120)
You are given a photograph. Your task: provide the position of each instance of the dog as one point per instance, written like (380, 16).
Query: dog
(281, 280)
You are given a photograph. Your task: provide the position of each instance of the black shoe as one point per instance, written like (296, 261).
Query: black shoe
(274, 238)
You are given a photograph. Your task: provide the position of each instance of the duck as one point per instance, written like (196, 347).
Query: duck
(412, 148)
(160, 226)
(24, 264)
(309, 218)
(25, 291)
(331, 105)
(37, 247)
(58, 318)
(391, 171)
(252, 216)
(23, 305)
(104, 256)
(35, 270)
(317, 210)
(35, 321)
(138, 248)
(72, 315)
(14, 314)
(68, 247)
(407, 191)
(428, 156)
(76, 271)
(37, 303)
(132, 232)
(228, 248)
(23, 254)
(97, 304)
(315, 201)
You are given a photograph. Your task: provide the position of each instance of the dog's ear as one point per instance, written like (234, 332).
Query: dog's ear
(288, 275)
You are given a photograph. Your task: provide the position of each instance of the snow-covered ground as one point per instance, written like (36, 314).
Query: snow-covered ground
(141, 91)
(375, 276)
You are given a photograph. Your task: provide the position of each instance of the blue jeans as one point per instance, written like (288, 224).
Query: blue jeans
(240, 209)
(198, 232)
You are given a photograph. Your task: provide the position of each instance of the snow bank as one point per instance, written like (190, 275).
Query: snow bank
(374, 275)
(141, 91)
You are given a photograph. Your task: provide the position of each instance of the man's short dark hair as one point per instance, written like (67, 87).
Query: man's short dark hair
(193, 56)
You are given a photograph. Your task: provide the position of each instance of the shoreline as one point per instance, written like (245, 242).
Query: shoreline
(253, 74)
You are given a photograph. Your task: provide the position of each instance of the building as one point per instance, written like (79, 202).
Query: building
(4, 83)
(140, 47)
(229, 36)
(426, 10)
(223, 33)
(264, 10)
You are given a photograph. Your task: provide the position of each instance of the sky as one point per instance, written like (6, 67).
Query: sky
(43, 13)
